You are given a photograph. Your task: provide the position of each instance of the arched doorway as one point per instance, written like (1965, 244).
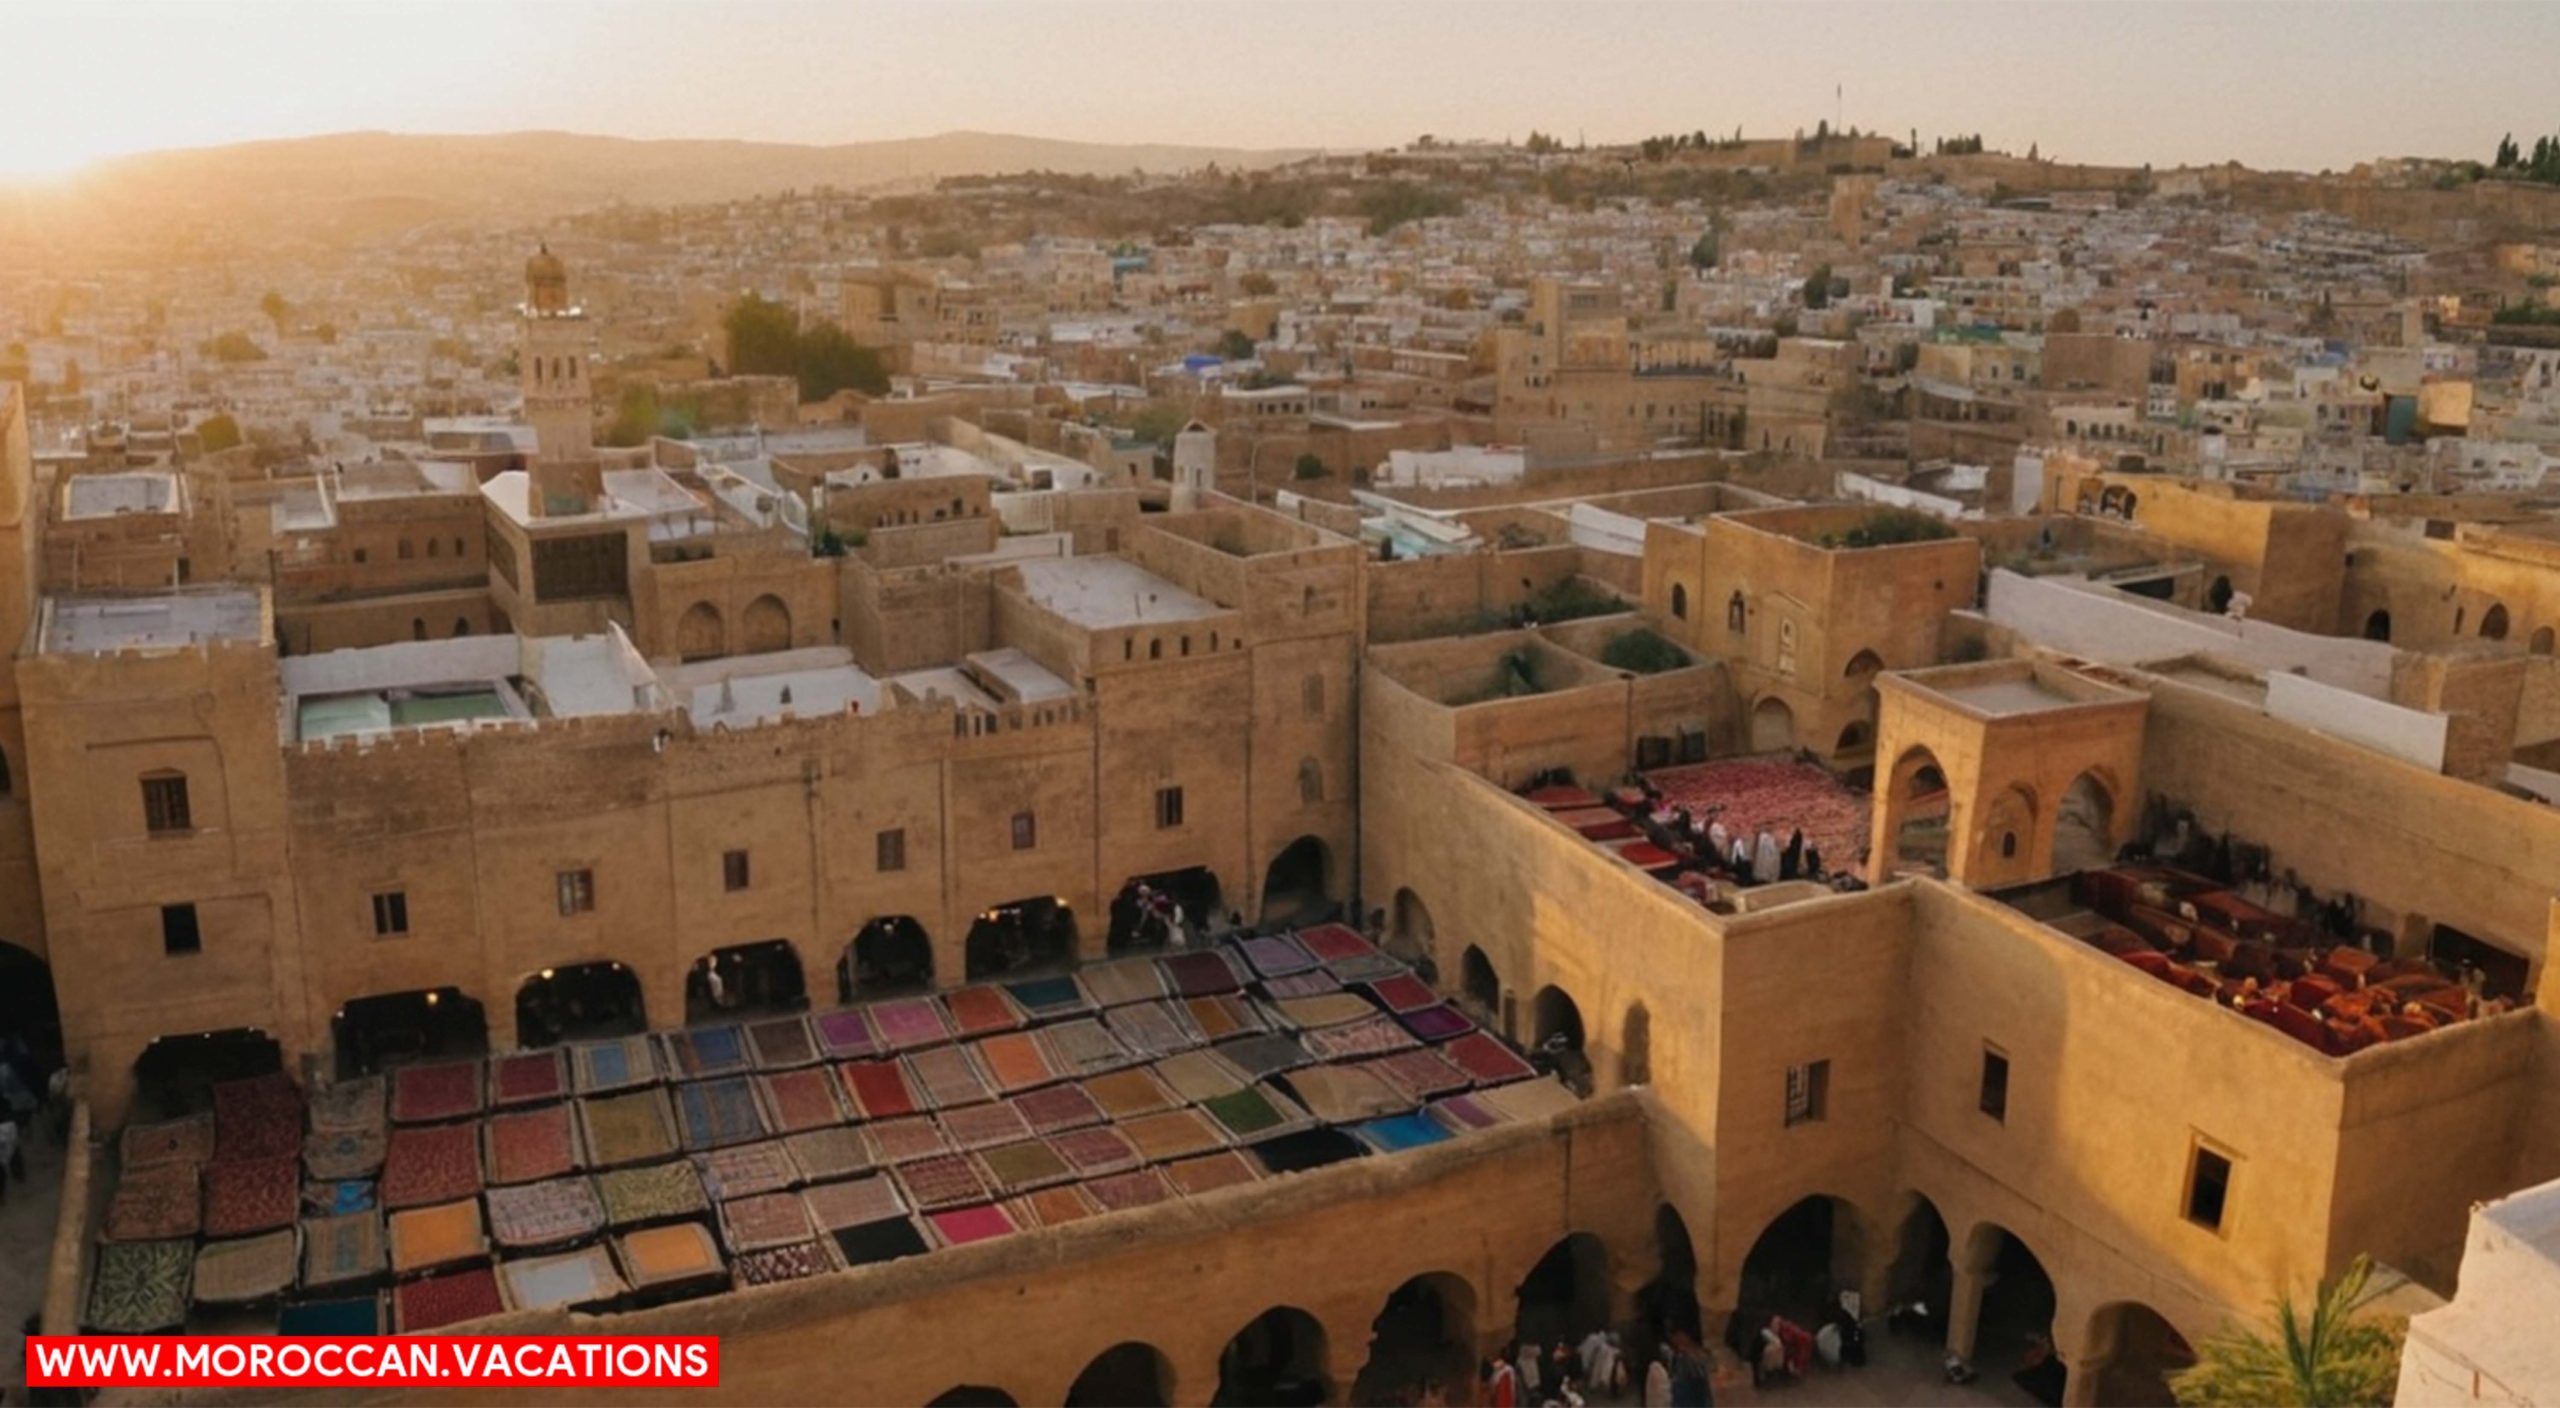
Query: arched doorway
(2378, 626)
(1920, 807)
(1479, 987)
(2493, 622)
(2541, 642)
(175, 1075)
(1862, 665)
(2016, 1307)
(1424, 1334)
(27, 1005)
(1277, 1360)
(971, 1396)
(578, 1003)
(1152, 911)
(2084, 825)
(1635, 1046)
(891, 955)
(1803, 1259)
(1556, 1035)
(1033, 933)
(745, 980)
(1921, 1281)
(2134, 1351)
(1773, 726)
(393, 1029)
(700, 634)
(1413, 938)
(1566, 1295)
(1668, 1304)
(2217, 598)
(1127, 1375)
(1299, 885)
(766, 625)
(2005, 839)
(1855, 741)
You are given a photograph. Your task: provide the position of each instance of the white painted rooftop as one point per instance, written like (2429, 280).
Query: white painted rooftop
(131, 491)
(173, 621)
(743, 690)
(1028, 679)
(1104, 591)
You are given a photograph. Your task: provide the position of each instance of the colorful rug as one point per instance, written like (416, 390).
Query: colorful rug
(1218, 1018)
(1200, 974)
(778, 1264)
(634, 1128)
(1529, 1101)
(1136, 1189)
(984, 1126)
(1174, 1134)
(438, 1236)
(948, 1077)
(1127, 980)
(1128, 1094)
(349, 1104)
(1313, 983)
(1193, 1177)
(1019, 1168)
(745, 1170)
(1053, 1207)
(1418, 1075)
(341, 1196)
(1083, 1047)
(1266, 1055)
(780, 1043)
(877, 1242)
(864, 1200)
(1397, 1133)
(763, 1221)
(526, 1146)
(962, 1226)
(712, 1113)
(823, 1154)
(1461, 1113)
(348, 1247)
(449, 1299)
(187, 1141)
(1057, 1107)
(252, 1196)
(545, 1214)
(1332, 942)
(669, 1255)
(1098, 1150)
(1255, 1112)
(1150, 1029)
(1198, 1075)
(1277, 955)
(878, 1090)
(527, 1078)
(1368, 968)
(696, 1052)
(431, 1163)
(1486, 1060)
(636, 1195)
(1438, 1022)
(154, 1204)
(1017, 1061)
(248, 1270)
(447, 1090)
(907, 1023)
(1403, 993)
(944, 1181)
(1374, 1035)
(618, 1063)
(846, 1034)
(565, 1281)
(1047, 999)
(982, 1010)
(345, 1152)
(1331, 1010)
(1342, 1094)
(799, 1099)
(140, 1288)
(258, 1118)
(907, 1140)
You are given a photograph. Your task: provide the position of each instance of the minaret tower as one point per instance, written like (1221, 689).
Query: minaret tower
(552, 358)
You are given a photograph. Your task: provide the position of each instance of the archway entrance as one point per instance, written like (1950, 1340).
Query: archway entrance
(1667, 1304)
(2134, 1352)
(1277, 1360)
(1127, 1375)
(1921, 1283)
(1412, 937)
(971, 1396)
(578, 1003)
(1802, 1261)
(1921, 805)
(745, 980)
(1152, 911)
(1032, 933)
(175, 1075)
(1298, 888)
(393, 1029)
(1479, 987)
(1566, 1295)
(1773, 726)
(2378, 626)
(700, 635)
(1558, 1037)
(27, 1004)
(2084, 826)
(2016, 1311)
(1425, 1334)
(766, 625)
(891, 955)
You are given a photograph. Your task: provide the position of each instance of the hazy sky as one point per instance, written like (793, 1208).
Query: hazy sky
(2303, 85)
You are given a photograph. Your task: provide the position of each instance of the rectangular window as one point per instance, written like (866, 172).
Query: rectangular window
(891, 848)
(1313, 690)
(178, 931)
(1995, 1084)
(733, 870)
(390, 913)
(1026, 831)
(577, 892)
(164, 805)
(1168, 807)
(1808, 1092)
(2208, 1186)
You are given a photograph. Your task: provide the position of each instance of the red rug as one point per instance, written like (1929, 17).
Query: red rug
(431, 1164)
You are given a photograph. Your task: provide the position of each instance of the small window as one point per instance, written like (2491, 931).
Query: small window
(2008, 845)
(435, 547)
(4, 774)
(407, 550)
(1168, 807)
(1155, 650)
(2208, 1186)
(178, 931)
(1311, 692)
(1735, 612)
(164, 804)
(1995, 1083)
(890, 849)
(360, 557)
(1680, 601)
(1808, 1092)
(417, 628)
(733, 870)
(1026, 831)
(577, 892)
(390, 914)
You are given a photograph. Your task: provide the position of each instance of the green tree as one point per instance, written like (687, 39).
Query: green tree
(1705, 254)
(829, 361)
(218, 433)
(1235, 346)
(2338, 1356)
(1817, 287)
(1257, 284)
(234, 346)
(1310, 466)
(764, 338)
(274, 306)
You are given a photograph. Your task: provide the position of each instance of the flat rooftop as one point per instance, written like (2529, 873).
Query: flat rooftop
(752, 689)
(173, 621)
(1100, 592)
(113, 495)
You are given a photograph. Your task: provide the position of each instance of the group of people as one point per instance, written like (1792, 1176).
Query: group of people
(1703, 841)
(32, 1091)
(1568, 1375)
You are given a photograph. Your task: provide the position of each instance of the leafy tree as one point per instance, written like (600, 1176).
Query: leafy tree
(1817, 287)
(830, 361)
(274, 306)
(1707, 252)
(1310, 466)
(1401, 202)
(1235, 346)
(1257, 284)
(1158, 424)
(234, 346)
(218, 433)
(2506, 152)
(764, 339)
(1643, 652)
(327, 333)
(2336, 1357)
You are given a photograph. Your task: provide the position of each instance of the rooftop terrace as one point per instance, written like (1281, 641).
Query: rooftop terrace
(172, 621)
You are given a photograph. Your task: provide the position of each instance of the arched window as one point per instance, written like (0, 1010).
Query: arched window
(417, 628)
(458, 549)
(1310, 781)
(1734, 611)
(407, 550)
(1680, 601)
(435, 547)
(461, 626)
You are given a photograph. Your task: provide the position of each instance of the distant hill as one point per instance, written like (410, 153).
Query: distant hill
(347, 182)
